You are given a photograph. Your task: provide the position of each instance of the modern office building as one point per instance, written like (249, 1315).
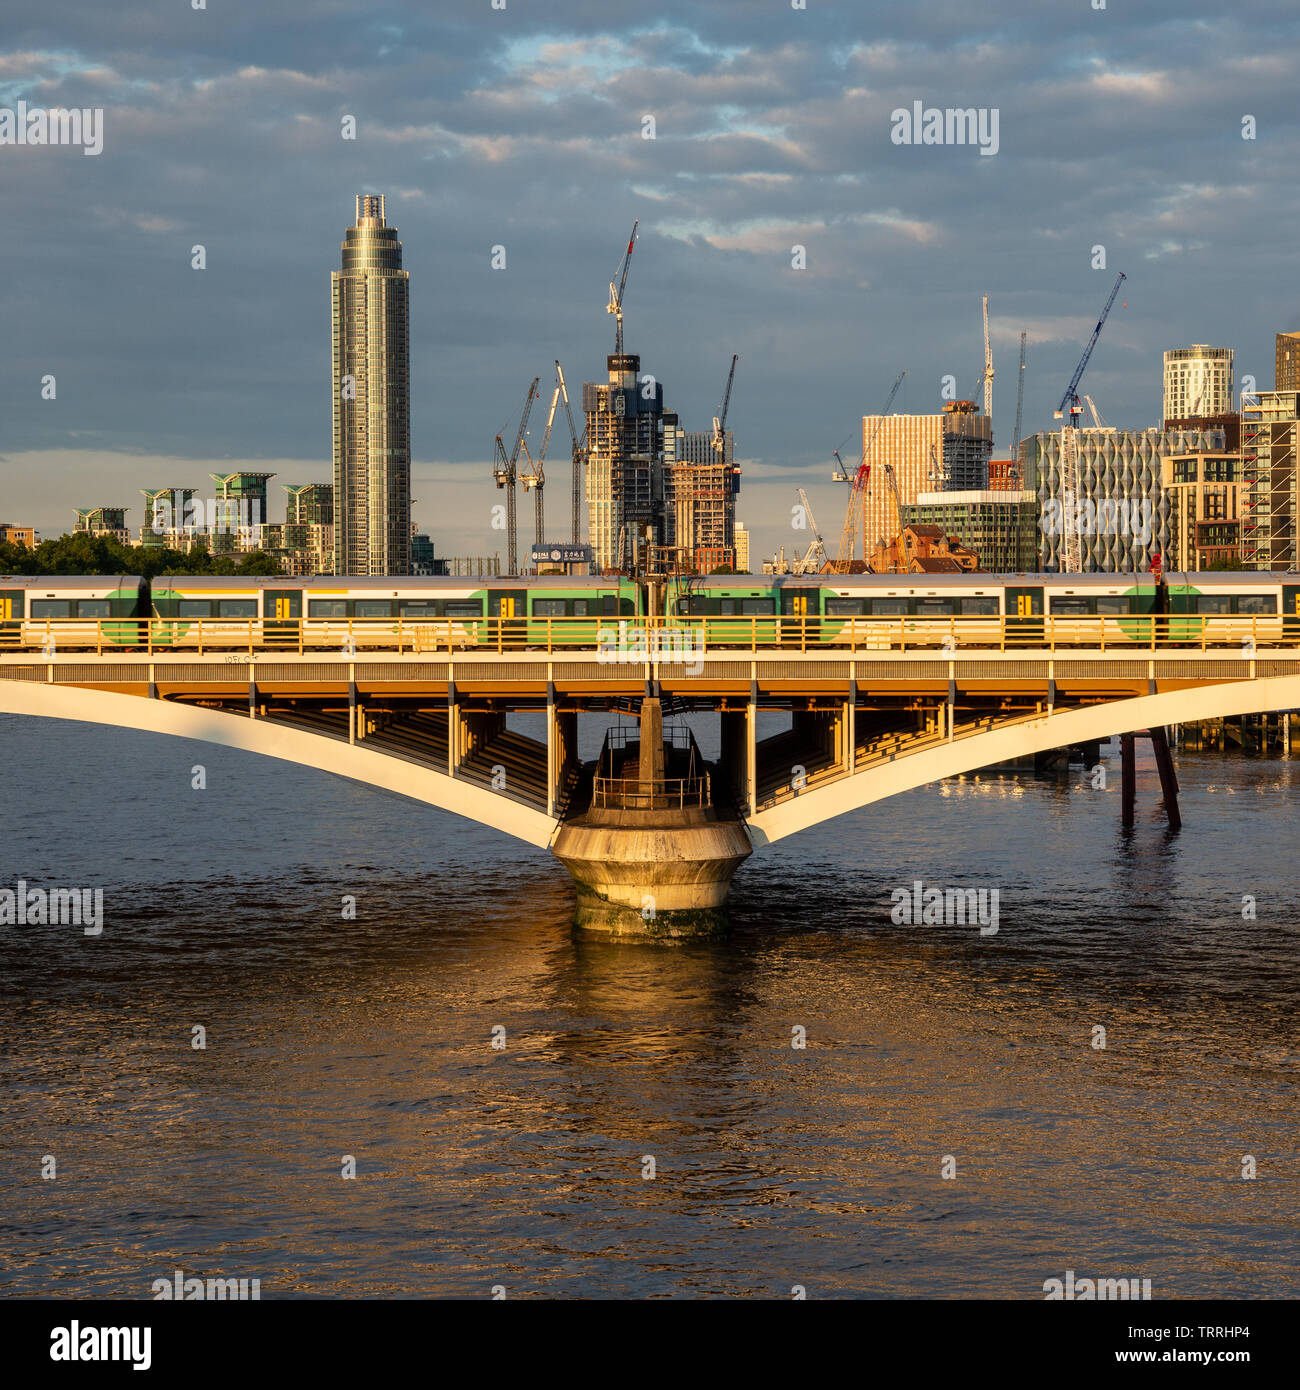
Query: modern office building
(1120, 512)
(700, 487)
(742, 548)
(625, 454)
(304, 542)
(928, 453)
(1204, 495)
(1270, 492)
(1000, 526)
(371, 387)
(1198, 382)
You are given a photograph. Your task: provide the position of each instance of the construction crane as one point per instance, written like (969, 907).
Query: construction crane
(615, 305)
(578, 456)
(720, 420)
(988, 365)
(1097, 418)
(1020, 410)
(1070, 407)
(535, 477)
(506, 472)
(898, 500)
(857, 492)
(815, 556)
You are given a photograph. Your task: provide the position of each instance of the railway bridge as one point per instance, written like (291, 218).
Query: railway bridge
(651, 830)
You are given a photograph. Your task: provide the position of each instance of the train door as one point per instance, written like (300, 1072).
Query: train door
(510, 609)
(1024, 615)
(11, 617)
(281, 616)
(795, 613)
(1291, 612)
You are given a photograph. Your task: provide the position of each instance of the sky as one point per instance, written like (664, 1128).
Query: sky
(522, 124)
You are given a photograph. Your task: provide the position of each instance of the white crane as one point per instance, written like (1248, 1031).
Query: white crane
(815, 556)
(988, 364)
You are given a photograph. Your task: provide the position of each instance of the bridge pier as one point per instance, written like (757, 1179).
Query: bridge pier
(651, 858)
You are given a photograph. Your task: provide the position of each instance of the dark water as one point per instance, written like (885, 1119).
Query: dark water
(523, 1167)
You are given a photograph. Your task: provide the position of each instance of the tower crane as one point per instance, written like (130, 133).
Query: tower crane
(505, 472)
(615, 305)
(857, 492)
(535, 477)
(1070, 407)
(720, 421)
(578, 456)
(988, 366)
(815, 556)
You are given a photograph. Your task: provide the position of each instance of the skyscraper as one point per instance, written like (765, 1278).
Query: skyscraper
(371, 390)
(625, 443)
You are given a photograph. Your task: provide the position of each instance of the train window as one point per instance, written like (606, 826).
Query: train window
(888, 607)
(1213, 603)
(195, 608)
(1069, 607)
(579, 607)
(548, 608)
(986, 606)
(1256, 603)
(237, 608)
(609, 604)
(327, 608)
(420, 608)
(51, 608)
(845, 607)
(757, 605)
(933, 607)
(1114, 603)
(465, 608)
(94, 608)
(372, 608)
(727, 605)
(695, 605)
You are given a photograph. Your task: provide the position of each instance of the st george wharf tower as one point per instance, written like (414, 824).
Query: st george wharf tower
(372, 392)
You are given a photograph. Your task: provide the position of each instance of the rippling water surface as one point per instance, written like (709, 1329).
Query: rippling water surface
(523, 1167)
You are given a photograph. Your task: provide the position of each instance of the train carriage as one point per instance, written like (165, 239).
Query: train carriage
(1224, 607)
(58, 612)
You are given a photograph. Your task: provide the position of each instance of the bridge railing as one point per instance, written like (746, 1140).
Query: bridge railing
(664, 794)
(631, 640)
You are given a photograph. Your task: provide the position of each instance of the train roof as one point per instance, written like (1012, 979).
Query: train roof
(70, 581)
(874, 582)
(392, 583)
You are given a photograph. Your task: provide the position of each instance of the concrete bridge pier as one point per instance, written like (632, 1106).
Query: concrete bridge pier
(651, 858)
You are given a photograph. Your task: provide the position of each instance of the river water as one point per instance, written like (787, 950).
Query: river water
(524, 1166)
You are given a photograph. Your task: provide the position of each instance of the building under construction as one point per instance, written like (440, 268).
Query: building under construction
(701, 481)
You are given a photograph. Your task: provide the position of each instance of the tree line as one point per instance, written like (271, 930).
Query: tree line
(83, 553)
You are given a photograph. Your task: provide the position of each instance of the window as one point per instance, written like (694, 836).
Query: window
(465, 608)
(372, 608)
(1213, 603)
(1114, 603)
(1069, 607)
(888, 607)
(934, 607)
(609, 605)
(984, 606)
(327, 608)
(757, 605)
(845, 607)
(1256, 603)
(237, 608)
(694, 606)
(579, 607)
(420, 608)
(727, 605)
(94, 608)
(548, 608)
(51, 608)
(195, 608)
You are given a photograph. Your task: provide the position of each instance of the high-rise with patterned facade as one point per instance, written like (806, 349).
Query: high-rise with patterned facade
(371, 386)
(1198, 382)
